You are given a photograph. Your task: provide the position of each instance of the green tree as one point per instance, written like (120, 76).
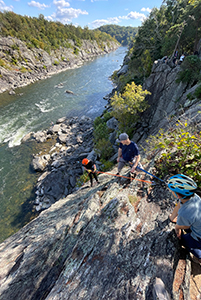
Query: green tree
(48, 34)
(122, 34)
(128, 105)
(190, 70)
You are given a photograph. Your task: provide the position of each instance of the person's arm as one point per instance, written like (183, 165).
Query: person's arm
(136, 163)
(178, 229)
(174, 214)
(119, 154)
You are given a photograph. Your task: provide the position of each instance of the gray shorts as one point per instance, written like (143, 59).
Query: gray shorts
(122, 163)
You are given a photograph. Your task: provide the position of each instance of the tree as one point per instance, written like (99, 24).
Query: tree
(128, 105)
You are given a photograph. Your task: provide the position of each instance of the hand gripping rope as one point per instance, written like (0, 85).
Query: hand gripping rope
(151, 174)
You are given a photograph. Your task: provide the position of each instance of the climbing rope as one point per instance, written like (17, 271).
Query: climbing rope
(150, 174)
(124, 177)
(131, 177)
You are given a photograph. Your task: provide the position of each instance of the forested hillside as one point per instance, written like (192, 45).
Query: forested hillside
(47, 35)
(123, 34)
(175, 26)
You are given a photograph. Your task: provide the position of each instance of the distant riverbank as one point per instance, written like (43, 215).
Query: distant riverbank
(31, 65)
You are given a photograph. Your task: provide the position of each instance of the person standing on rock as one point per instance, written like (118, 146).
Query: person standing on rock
(186, 214)
(128, 152)
(90, 167)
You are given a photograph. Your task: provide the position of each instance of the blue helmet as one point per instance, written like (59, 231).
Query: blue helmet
(182, 184)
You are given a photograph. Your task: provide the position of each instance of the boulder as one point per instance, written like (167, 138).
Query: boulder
(112, 123)
(40, 162)
(62, 138)
(40, 136)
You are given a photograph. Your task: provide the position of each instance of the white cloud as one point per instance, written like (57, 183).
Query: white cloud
(38, 5)
(65, 15)
(146, 9)
(132, 15)
(61, 3)
(135, 15)
(98, 23)
(49, 18)
(3, 6)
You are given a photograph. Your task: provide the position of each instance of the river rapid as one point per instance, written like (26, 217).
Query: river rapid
(33, 108)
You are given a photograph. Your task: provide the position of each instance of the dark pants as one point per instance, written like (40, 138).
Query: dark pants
(191, 244)
(122, 163)
(91, 177)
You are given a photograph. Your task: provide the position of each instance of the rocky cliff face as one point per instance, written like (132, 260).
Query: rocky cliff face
(20, 66)
(107, 242)
(111, 241)
(168, 102)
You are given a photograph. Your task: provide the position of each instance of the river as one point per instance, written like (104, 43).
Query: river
(33, 108)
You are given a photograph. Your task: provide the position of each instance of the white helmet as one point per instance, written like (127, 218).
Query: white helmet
(182, 184)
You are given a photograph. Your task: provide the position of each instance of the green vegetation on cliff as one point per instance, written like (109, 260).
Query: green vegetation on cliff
(123, 34)
(175, 26)
(47, 35)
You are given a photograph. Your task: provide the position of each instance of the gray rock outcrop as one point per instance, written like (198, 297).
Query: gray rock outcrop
(106, 242)
(62, 166)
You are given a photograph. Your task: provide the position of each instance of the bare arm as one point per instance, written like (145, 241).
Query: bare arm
(136, 163)
(178, 229)
(119, 154)
(174, 214)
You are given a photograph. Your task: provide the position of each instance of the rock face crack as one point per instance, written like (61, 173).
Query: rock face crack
(18, 261)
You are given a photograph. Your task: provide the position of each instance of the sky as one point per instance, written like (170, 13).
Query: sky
(91, 13)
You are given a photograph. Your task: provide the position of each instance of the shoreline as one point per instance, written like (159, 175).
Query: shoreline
(37, 64)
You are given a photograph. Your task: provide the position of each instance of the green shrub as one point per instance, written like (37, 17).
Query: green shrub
(35, 43)
(78, 42)
(23, 69)
(76, 51)
(56, 63)
(82, 179)
(107, 165)
(190, 70)
(114, 77)
(197, 92)
(30, 46)
(106, 116)
(98, 121)
(14, 61)
(15, 47)
(2, 63)
(104, 148)
(181, 149)
(100, 132)
(190, 97)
